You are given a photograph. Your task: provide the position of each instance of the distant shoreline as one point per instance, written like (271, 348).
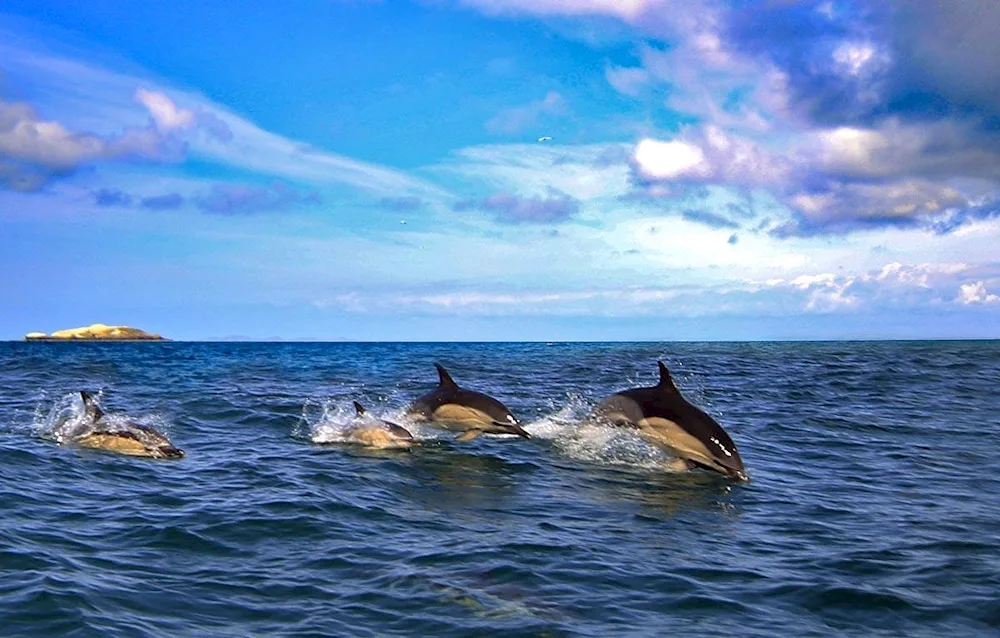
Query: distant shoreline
(90, 339)
(96, 332)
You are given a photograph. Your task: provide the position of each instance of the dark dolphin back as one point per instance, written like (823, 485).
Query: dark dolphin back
(449, 392)
(440, 395)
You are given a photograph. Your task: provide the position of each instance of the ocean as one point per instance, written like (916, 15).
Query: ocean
(873, 507)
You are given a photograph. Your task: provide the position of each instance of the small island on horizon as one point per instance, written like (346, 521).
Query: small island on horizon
(96, 332)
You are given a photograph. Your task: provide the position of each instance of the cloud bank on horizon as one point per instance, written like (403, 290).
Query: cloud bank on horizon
(702, 159)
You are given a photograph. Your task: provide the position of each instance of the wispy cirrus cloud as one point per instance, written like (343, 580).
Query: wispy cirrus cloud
(232, 199)
(521, 118)
(514, 209)
(179, 124)
(168, 201)
(889, 288)
(218, 199)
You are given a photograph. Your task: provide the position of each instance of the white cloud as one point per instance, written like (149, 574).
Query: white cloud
(975, 293)
(670, 160)
(856, 58)
(708, 154)
(627, 80)
(625, 9)
(27, 138)
(164, 112)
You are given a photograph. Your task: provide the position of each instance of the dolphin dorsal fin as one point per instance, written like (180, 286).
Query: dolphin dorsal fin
(445, 379)
(666, 381)
(91, 409)
(360, 408)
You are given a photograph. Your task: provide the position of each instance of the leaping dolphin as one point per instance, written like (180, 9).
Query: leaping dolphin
(381, 434)
(124, 438)
(459, 410)
(666, 419)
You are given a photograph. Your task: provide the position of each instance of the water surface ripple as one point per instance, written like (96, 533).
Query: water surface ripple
(873, 510)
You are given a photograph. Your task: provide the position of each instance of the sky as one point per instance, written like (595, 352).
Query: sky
(443, 170)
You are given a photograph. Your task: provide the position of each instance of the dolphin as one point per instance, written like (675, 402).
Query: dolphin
(381, 434)
(459, 410)
(128, 438)
(666, 419)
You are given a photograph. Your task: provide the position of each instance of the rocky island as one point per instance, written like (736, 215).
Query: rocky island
(96, 332)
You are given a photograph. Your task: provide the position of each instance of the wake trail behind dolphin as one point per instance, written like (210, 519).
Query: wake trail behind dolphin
(573, 435)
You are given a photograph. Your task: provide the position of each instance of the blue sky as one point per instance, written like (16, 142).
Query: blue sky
(501, 169)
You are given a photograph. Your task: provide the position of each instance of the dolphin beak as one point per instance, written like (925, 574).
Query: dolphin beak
(514, 428)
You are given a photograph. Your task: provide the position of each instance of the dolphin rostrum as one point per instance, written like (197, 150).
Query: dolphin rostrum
(459, 410)
(128, 438)
(666, 419)
(378, 433)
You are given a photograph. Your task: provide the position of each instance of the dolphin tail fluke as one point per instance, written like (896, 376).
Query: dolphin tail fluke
(444, 379)
(92, 410)
(360, 408)
(468, 435)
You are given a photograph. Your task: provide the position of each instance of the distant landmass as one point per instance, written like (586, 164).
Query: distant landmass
(96, 332)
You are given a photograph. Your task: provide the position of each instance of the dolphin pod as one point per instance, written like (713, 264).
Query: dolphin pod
(660, 414)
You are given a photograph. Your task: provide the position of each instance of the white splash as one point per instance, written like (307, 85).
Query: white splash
(574, 435)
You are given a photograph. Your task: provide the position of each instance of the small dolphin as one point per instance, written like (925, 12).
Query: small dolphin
(128, 438)
(459, 410)
(668, 420)
(381, 434)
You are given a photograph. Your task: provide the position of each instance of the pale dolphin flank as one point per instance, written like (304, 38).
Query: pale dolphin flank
(665, 418)
(459, 410)
(127, 438)
(378, 433)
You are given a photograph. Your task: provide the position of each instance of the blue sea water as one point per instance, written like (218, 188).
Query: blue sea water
(873, 507)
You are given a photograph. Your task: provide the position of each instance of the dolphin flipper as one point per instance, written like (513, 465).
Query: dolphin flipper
(468, 435)
(360, 408)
